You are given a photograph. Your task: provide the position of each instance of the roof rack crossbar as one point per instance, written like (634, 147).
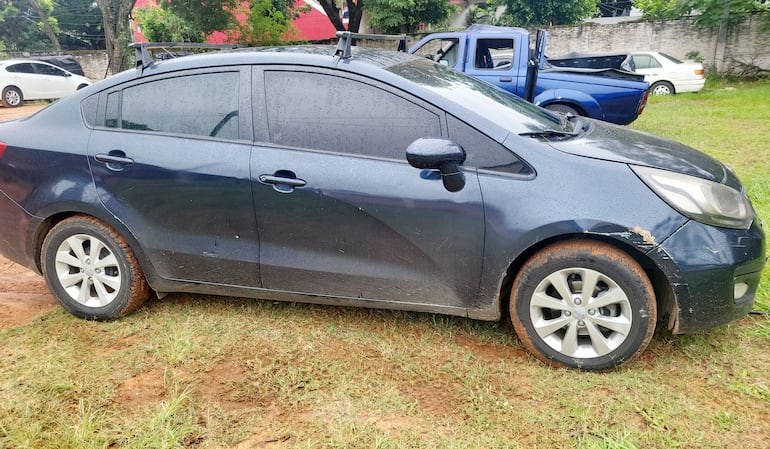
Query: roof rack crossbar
(346, 41)
(144, 58)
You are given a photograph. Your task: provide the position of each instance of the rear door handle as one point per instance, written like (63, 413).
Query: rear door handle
(283, 181)
(116, 160)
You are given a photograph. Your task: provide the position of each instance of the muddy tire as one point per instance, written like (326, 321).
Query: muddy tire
(583, 304)
(92, 271)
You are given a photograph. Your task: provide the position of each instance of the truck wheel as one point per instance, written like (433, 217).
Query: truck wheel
(12, 97)
(91, 270)
(583, 304)
(563, 108)
(662, 88)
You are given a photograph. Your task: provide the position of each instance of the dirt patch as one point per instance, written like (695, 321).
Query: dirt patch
(11, 113)
(23, 295)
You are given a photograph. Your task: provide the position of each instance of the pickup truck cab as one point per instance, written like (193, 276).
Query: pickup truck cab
(502, 56)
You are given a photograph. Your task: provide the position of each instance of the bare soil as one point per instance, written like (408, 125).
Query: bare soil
(23, 293)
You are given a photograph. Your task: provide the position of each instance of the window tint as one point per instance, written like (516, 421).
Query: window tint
(113, 109)
(483, 152)
(24, 67)
(202, 105)
(89, 106)
(494, 54)
(324, 112)
(48, 70)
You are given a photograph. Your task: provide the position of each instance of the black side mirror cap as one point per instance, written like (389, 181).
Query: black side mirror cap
(442, 155)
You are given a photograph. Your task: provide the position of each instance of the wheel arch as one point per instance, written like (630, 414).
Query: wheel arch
(56, 216)
(665, 298)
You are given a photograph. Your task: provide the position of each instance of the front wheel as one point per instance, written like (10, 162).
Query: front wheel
(583, 304)
(91, 270)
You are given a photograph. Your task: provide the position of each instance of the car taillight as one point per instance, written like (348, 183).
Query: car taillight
(644, 101)
(3, 146)
(699, 72)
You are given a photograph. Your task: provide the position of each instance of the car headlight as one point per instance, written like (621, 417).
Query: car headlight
(700, 199)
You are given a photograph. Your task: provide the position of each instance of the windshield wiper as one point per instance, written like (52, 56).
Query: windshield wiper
(545, 133)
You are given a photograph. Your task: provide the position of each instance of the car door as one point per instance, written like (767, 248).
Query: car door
(495, 61)
(53, 81)
(23, 76)
(339, 210)
(171, 162)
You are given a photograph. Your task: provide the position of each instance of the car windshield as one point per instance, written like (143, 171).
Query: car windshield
(506, 110)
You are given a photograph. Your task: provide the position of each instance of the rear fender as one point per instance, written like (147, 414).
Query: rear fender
(579, 100)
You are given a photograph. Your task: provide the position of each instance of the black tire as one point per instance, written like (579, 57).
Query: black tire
(91, 270)
(563, 108)
(569, 332)
(662, 88)
(12, 97)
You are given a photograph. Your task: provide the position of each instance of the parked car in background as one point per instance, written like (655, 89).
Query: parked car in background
(393, 182)
(67, 62)
(668, 75)
(27, 79)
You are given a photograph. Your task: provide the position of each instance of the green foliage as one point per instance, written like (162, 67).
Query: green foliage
(404, 16)
(162, 25)
(80, 23)
(17, 31)
(546, 12)
(205, 17)
(711, 13)
(265, 24)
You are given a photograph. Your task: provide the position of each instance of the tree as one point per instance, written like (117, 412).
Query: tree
(205, 17)
(265, 24)
(355, 14)
(19, 30)
(80, 24)
(404, 16)
(162, 25)
(115, 14)
(525, 13)
(49, 25)
(710, 13)
(615, 8)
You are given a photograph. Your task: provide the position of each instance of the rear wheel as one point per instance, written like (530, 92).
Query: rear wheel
(563, 108)
(91, 270)
(12, 97)
(662, 88)
(583, 304)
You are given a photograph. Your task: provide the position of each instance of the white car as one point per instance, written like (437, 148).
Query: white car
(22, 79)
(668, 75)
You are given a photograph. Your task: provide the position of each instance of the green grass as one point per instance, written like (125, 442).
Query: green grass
(211, 372)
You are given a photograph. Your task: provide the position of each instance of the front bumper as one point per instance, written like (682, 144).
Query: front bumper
(703, 265)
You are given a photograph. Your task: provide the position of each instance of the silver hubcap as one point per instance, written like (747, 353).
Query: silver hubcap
(88, 271)
(661, 90)
(12, 97)
(581, 313)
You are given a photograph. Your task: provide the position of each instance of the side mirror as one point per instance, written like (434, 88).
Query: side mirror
(442, 155)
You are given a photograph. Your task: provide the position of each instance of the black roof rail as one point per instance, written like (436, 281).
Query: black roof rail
(144, 58)
(346, 41)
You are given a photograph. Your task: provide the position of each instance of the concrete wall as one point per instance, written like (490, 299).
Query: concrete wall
(720, 49)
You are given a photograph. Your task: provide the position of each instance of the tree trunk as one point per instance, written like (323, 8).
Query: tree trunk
(47, 28)
(115, 14)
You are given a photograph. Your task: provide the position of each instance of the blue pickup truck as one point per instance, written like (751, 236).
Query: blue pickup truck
(503, 56)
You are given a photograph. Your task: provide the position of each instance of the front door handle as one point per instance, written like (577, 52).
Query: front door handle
(283, 181)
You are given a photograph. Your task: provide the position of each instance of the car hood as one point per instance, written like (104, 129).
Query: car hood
(621, 144)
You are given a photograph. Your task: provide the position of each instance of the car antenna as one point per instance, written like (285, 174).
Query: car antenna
(144, 59)
(346, 41)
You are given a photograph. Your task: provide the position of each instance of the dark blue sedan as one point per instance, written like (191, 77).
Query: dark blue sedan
(378, 180)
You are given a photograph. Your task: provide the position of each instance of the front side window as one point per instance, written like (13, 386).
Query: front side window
(443, 51)
(330, 113)
(199, 105)
(43, 69)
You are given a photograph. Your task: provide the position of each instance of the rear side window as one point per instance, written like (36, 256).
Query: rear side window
(200, 105)
(23, 67)
(646, 62)
(325, 112)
